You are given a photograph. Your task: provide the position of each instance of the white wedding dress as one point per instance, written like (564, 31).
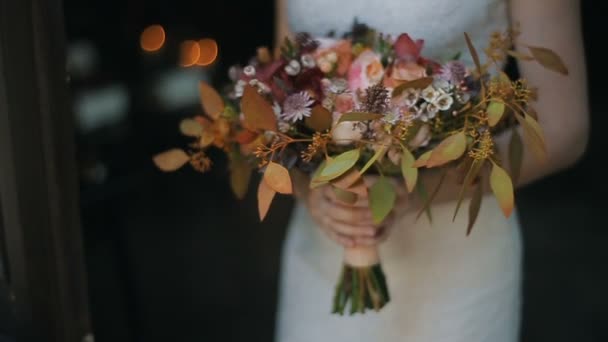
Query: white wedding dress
(444, 285)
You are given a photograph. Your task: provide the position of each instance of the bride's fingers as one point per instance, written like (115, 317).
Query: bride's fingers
(377, 239)
(351, 230)
(340, 238)
(352, 215)
(329, 193)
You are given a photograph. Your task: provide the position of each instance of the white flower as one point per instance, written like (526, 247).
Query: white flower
(328, 103)
(429, 94)
(249, 70)
(293, 68)
(239, 87)
(253, 82)
(284, 126)
(410, 96)
(431, 110)
(308, 61)
(442, 85)
(444, 102)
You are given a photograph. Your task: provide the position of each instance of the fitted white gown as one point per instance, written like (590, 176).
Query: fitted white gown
(444, 285)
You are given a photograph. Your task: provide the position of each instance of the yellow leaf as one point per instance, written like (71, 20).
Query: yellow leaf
(423, 159)
(501, 185)
(468, 180)
(548, 59)
(495, 110)
(520, 55)
(257, 111)
(320, 119)
(345, 196)
(207, 137)
(419, 83)
(212, 102)
(359, 116)
(191, 128)
(534, 136)
(265, 196)
(240, 174)
(409, 172)
(277, 178)
(451, 148)
(339, 165)
(171, 160)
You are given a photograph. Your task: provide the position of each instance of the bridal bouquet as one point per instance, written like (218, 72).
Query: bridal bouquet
(368, 103)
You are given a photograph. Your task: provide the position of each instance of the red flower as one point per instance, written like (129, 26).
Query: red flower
(408, 49)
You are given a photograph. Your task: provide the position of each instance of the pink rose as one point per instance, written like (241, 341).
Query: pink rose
(365, 71)
(344, 103)
(407, 49)
(334, 55)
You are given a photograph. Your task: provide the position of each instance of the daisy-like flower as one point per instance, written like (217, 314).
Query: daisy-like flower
(249, 70)
(444, 102)
(431, 110)
(297, 106)
(429, 94)
(453, 72)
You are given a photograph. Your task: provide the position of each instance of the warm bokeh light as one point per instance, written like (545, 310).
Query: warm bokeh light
(152, 38)
(189, 53)
(208, 51)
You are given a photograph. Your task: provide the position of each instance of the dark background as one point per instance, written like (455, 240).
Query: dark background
(175, 257)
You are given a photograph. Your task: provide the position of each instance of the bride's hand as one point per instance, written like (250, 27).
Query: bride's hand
(351, 225)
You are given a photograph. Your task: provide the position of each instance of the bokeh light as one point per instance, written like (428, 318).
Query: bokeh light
(152, 38)
(189, 53)
(208, 51)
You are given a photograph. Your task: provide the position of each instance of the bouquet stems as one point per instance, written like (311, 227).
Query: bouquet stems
(362, 282)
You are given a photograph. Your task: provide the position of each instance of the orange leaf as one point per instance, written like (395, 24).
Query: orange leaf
(171, 160)
(190, 128)
(245, 137)
(347, 180)
(265, 196)
(258, 112)
(451, 148)
(207, 138)
(473, 52)
(423, 159)
(240, 174)
(548, 59)
(534, 136)
(320, 119)
(277, 178)
(212, 101)
(501, 185)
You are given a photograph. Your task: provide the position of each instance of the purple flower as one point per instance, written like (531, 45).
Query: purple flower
(453, 72)
(297, 106)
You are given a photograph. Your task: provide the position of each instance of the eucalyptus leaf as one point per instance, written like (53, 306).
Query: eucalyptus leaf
(516, 153)
(382, 198)
(474, 207)
(340, 164)
(359, 116)
(495, 111)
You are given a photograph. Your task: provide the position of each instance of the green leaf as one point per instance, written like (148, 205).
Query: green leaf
(495, 110)
(430, 199)
(516, 153)
(315, 180)
(474, 206)
(419, 83)
(468, 180)
(373, 159)
(345, 195)
(409, 172)
(501, 185)
(423, 159)
(340, 164)
(451, 148)
(191, 128)
(359, 116)
(320, 119)
(382, 198)
(520, 56)
(548, 59)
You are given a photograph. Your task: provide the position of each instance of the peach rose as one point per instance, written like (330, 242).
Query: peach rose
(402, 72)
(344, 103)
(365, 71)
(334, 54)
